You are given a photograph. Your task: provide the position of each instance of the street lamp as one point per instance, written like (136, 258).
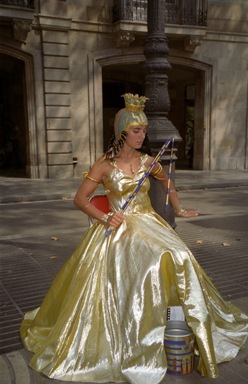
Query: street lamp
(157, 107)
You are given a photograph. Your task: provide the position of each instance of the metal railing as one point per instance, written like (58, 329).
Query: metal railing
(182, 12)
(18, 3)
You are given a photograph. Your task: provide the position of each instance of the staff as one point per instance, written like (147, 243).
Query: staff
(142, 180)
(169, 176)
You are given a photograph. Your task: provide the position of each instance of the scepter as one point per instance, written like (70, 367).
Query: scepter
(142, 180)
(169, 176)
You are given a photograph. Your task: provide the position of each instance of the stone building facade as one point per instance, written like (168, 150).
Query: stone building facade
(64, 65)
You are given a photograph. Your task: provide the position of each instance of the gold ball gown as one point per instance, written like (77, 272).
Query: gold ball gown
(104, 317)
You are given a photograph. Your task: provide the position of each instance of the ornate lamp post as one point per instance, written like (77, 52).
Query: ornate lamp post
(157, 107)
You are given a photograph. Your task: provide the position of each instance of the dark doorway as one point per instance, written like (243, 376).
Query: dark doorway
(121, 78)
(117, 80)
(13, 141)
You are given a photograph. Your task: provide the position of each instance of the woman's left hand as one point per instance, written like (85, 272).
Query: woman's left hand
(181, 212)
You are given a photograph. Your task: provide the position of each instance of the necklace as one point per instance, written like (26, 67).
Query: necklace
(131, 169)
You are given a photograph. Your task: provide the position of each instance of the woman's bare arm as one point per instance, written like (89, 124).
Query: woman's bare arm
(159, 174)
(88, 186)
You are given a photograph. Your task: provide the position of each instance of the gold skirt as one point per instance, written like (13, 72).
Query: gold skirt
(104, 317)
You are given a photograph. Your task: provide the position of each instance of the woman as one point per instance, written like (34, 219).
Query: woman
(104, 317)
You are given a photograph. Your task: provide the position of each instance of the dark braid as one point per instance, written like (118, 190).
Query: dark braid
(115, 145)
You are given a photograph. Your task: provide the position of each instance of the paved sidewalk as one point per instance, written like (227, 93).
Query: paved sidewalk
(17, 190)
(213, 230)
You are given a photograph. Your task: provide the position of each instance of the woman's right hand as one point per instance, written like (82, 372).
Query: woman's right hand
(115, 220)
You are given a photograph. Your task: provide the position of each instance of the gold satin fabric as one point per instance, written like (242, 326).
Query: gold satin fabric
(104, 317)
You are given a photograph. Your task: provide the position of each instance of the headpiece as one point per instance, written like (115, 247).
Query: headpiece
(125, 118)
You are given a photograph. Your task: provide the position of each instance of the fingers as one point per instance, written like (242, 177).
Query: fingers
(115, 220)
(191, 213)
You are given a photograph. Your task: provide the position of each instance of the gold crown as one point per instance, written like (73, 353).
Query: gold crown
(134, 103)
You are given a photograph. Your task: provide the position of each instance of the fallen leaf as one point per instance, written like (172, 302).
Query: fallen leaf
(53, 257)
(64, 197)
(199, 242)
(226, 244)
(54, 238)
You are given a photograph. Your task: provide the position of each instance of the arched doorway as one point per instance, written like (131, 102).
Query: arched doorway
(125, 72)
(187, 111)
(13, 117)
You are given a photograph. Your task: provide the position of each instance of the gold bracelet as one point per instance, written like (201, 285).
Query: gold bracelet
(105, 217)
(158, 170)
(160, 178)
(180, 211)
(87, 204)
(86, 176)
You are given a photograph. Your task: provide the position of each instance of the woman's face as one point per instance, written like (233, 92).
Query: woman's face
(136, 136)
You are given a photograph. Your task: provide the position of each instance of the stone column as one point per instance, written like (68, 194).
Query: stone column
(157, 107)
